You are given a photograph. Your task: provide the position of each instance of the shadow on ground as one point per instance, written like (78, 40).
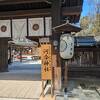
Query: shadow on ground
(27, 70)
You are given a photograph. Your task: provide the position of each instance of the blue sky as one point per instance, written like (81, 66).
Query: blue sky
(85, 8)
(89, 7)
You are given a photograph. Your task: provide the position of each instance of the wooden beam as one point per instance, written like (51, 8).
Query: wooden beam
(9, 2)
(25, 13)
(71, 10)
(39, 12)
(87, 49)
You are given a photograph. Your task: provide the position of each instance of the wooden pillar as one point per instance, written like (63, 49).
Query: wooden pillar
(56, 20)
(65, 76)
(20, 54)
(10, 55)
(56, 12)
(3, 54)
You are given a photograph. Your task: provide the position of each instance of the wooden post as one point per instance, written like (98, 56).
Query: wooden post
(42, 88)
(3, 54)
(56, 20)
(56, 73)
(10, 55)
(21, 54)
(66, 75)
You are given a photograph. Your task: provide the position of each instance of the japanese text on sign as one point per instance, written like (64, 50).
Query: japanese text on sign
(46, 61)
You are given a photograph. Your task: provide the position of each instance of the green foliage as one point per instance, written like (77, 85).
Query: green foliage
(84, 22)
(90, 27)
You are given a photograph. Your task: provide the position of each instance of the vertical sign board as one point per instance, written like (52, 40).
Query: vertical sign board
(46, 58)
(48, 24)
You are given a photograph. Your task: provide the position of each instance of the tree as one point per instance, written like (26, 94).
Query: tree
(84, 22)
(96, 25)
(90, 28)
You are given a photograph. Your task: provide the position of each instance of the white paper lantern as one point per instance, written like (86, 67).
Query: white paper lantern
(66, 46)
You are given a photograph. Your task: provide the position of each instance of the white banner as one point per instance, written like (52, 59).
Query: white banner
(19, 27)
(48, 23)
(5, 29)
(36, 27)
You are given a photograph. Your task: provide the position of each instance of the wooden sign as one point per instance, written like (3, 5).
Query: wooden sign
(48, 24)
(46, 58)
(44, 40)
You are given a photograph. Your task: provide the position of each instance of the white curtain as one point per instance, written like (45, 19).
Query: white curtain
(5, 30)
(19, 27)
(38, 24)
(48, 23)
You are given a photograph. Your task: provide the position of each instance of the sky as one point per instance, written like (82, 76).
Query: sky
(89, 7)
(85, 8)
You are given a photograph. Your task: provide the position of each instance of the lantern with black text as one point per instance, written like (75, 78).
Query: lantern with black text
(66, 46)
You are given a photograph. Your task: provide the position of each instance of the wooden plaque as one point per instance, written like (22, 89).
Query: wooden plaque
(46, 58)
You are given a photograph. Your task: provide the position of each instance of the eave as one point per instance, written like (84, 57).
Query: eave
(67, 27)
